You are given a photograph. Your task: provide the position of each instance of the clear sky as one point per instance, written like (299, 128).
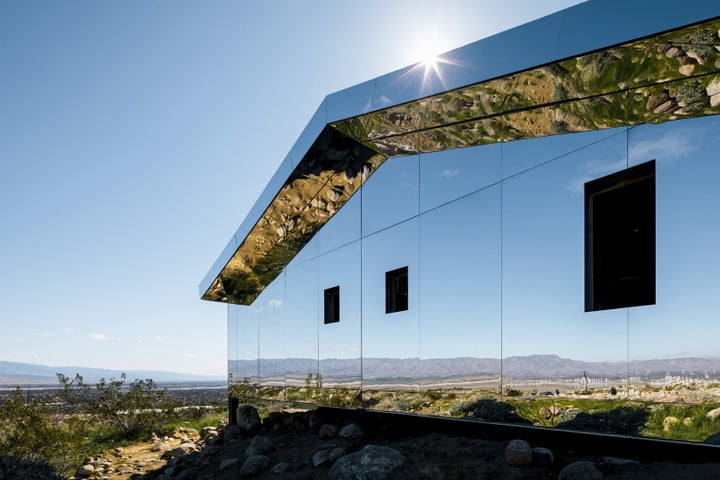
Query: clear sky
(136, 135)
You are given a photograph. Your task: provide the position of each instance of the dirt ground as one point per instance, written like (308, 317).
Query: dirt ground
(431, 456)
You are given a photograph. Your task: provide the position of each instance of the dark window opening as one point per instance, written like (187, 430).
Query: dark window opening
(620, 239)
(332, 305)
(396, 290)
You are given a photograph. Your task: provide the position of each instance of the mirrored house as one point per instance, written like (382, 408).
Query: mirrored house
(530, 220)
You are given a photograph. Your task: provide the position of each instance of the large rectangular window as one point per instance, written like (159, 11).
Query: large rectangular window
(332, 305)
(396, 290)
(620, 239)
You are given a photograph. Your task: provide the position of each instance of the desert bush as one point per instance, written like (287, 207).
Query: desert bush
(133, 410)
(625, 420)
(490, 410)
(31, 437)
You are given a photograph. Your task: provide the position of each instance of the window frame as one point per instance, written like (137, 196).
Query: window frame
(331, 302)
(620, 239)
(397, 290)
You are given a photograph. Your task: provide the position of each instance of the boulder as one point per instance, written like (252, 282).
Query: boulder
(713, 439)
(85, 471)
(352, 430)
(372, 462)
(580, 471)
(259, 446)
(254, 465)
(713, 414)
(328, 431)
(248, 419)
(231, 432)
(518, 452)
(280, 468)
(189, 474)
(542, 456)
(208, 432)
(228, 462)
(321, 457)
(180, 450)
(668, 422)
(336, 453)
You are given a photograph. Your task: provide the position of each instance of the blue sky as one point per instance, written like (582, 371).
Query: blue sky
(136, 135)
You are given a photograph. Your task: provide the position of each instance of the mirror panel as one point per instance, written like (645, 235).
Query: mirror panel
(340, 342)
(389, 340)
(391, 195)
(243, 353)
(673, 344)
(301, 329)
(449, 175)
(553, 349)
(460, 315)
(270, 306)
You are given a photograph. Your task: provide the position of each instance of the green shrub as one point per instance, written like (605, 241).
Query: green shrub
(135, 410)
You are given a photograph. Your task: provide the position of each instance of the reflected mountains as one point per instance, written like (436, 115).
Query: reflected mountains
(520, 367)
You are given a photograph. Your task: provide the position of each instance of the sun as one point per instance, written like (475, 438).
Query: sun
(427, 51)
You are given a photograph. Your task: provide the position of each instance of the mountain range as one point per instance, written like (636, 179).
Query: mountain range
(14, 373)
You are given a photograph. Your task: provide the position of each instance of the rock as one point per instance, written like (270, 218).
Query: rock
(85, 471)
(580, 471)
(189, 474)
(159, 447)
(713, 89)
(321, 457)
(336, 453)
(180, 450)
(372, 462)
(248, 419)
(518, 453)
(713, 439)
(713, 414)
(254, 465)
(618, 462)
(231, 432)
(280, 468)
(686, 421)
(259, 446)
(668, 422)
(228, 462)
(542, 456)
(208, 432)
(687, 70)
(352, 430)
(328, 431)
(317, 419)
(715, 100)
(673, 52)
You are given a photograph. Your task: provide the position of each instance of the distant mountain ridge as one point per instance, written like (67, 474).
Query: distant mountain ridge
(15, 373)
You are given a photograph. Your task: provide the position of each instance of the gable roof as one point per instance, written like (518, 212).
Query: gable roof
(534, 80)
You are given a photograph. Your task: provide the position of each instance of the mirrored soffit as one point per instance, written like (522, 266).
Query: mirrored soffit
(657, 79)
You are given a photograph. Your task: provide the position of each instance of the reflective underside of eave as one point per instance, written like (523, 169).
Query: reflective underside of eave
(666, 77)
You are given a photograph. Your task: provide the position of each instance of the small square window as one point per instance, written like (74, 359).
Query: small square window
(620, 239)
(396, 290)
(332, 305)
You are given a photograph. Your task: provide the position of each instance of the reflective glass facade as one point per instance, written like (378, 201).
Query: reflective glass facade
(479, 193)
